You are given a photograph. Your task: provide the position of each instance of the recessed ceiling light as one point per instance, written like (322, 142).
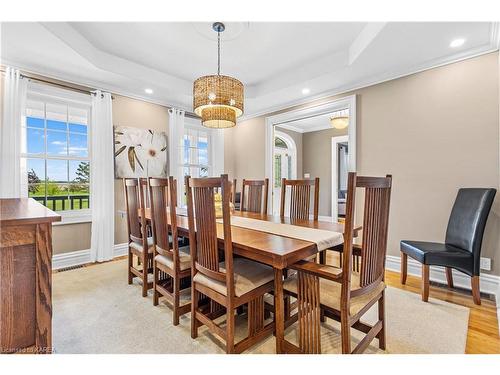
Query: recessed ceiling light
(457, 42)
(148, 91)
(305, 91)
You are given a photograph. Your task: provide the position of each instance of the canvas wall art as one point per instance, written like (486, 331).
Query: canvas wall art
(140, 153)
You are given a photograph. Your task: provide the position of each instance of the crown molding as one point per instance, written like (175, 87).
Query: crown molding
(375, 80)
(91, 84)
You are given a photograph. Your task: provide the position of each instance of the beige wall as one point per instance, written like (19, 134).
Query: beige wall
(229, 151)
(317, 161)
(248, 151)
(434, 131)
(138, 114)
(70, 237)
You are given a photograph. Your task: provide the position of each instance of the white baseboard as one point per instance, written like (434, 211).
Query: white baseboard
(75, 258)
(488, 283)
(120, 249)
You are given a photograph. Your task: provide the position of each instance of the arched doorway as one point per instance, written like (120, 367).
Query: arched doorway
(285, 164)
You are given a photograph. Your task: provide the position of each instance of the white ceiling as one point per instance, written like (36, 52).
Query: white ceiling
(274, 60)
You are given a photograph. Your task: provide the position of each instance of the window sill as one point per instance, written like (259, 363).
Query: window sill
(74, 217)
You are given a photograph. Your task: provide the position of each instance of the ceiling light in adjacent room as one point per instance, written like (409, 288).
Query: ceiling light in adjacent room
(305, 91)
(218, 99)
(148, 91)
(340, 119)
(457, 42)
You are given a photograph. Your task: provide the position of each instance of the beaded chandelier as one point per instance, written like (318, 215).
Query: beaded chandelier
(218, 99)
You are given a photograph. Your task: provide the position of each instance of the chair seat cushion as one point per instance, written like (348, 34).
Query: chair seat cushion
(330, 292)
(138, 246)
(439, 254)
(248, 275)
(184, 259)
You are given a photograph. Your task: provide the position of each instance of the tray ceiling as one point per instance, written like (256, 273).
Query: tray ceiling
(275, 60)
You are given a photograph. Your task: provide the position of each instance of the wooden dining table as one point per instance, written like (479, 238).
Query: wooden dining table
(274, 250)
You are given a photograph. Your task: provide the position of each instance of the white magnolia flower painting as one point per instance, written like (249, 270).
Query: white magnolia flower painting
(140, 153)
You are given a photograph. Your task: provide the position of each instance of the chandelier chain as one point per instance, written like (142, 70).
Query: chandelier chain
(218, 53)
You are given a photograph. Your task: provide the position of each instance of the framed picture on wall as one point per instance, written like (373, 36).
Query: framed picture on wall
(140, 153)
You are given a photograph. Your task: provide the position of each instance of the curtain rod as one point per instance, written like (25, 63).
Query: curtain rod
(85, 91)
(35, 78)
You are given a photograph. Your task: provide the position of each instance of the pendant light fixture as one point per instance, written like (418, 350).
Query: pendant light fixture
(218, 99)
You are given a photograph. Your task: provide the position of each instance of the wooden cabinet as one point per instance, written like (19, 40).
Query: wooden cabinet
(25, 276)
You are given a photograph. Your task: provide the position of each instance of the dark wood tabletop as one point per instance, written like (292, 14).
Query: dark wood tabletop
(274, 250)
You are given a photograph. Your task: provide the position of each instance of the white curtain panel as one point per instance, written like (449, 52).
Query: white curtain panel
(102, 178)
(176, 136)
(13, 116)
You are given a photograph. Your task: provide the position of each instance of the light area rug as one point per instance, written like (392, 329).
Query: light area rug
(95, 311)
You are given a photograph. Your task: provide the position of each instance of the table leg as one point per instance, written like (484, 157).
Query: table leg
(279, 313)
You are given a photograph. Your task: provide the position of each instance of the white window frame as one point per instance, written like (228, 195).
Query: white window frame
(210, 137)
(215, 153)
(50, 94)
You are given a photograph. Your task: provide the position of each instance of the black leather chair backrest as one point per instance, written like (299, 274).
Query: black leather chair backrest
(468, 219)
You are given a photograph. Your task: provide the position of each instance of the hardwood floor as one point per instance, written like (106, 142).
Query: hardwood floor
(482, 336)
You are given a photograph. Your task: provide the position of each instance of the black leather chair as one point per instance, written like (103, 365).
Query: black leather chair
(462, 247)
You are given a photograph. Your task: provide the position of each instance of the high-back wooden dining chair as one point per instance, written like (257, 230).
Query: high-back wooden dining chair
(144, 188)
(233, 191)
(139, 244)
(144, 192)
(231, 283)
(340, 293)
(171, 264)
(300, 198)
(254, 194)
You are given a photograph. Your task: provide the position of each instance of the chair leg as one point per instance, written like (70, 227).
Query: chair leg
(449, 277)
(425, 282)
(404, 267)
(230, 330)
(130, 264)
(381, 316)
(194, 307)
(476, 294)
(287, 300)
(155, 282)
(177, 288)
(345, 332)
(322, 257)
(145, 276)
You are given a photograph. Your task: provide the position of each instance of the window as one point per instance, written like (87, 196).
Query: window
(56, 153)
(196, 155)
(282, 162)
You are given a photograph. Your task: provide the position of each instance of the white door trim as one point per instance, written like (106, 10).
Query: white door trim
(310, 111)
(335, 179)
